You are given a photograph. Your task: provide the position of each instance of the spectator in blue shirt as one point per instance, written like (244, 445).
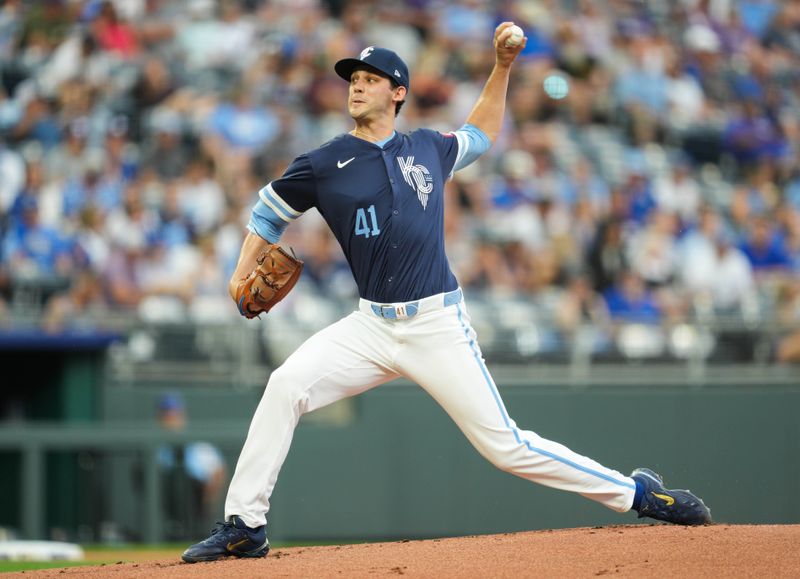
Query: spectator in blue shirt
(32, 250)
(630, 301)
(752, 135)
(639, 195)
(764, 247)
(242, 124)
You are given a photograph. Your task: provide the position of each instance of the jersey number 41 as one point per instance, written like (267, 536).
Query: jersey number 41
(366, 226)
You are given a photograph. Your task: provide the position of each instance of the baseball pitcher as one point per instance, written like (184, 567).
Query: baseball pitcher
(381, 193)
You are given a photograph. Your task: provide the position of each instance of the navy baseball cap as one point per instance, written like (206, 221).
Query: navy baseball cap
(170, 402)
(383, 60)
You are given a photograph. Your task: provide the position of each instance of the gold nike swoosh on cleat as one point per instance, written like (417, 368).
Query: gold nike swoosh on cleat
(666, 498)
(232, 546)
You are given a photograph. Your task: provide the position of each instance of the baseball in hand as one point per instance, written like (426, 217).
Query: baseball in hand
(516, 36)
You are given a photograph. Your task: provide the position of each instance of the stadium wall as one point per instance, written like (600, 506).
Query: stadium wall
(390, 463)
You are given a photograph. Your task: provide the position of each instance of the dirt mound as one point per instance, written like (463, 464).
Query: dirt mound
(624, 551)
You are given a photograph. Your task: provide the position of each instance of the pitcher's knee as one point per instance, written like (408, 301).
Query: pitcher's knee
(506, 458)
(288, 386)
(505, 461)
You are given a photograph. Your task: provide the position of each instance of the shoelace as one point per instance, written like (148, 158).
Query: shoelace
(220, 526)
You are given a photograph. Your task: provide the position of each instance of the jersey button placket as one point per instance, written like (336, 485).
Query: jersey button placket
(390, 279)
(395, 210)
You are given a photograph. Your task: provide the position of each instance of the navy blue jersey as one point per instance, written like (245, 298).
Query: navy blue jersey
(384, 205)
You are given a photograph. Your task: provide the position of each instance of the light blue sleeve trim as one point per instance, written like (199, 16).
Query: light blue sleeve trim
(472, 143)
(266, 223)
(282, 209)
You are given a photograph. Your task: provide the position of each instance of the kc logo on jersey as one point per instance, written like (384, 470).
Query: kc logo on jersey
(418, 178)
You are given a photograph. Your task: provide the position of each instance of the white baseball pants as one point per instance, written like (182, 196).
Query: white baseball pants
(437, 349)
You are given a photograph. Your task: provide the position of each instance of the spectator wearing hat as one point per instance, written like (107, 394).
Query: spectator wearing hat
(706, 63)
(194, 473)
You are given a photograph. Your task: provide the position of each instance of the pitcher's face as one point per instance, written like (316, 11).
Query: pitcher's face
(372, 95)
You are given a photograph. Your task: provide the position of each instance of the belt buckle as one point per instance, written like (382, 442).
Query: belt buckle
(389, 312)
(401, 312)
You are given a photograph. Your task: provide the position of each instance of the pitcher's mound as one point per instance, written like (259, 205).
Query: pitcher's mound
(624, 551)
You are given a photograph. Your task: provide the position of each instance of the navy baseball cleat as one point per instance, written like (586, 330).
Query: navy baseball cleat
(673, 506)
(229, 539)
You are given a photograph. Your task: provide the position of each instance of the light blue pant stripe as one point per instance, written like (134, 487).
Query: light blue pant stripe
(514, 430)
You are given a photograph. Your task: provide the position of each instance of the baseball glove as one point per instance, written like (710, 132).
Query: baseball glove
(275, 274)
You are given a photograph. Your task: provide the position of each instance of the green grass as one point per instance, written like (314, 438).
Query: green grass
(100, 554)
(104, 554)
(135, 546)
(10, 566)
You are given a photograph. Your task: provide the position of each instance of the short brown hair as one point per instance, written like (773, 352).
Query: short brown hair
(397, 106)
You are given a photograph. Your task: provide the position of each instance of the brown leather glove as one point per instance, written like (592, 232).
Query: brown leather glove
(275, 274)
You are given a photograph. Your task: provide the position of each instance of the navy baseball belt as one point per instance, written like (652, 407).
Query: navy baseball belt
(405, 310)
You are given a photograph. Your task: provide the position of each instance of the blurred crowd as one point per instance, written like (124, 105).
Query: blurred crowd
(665, 187)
